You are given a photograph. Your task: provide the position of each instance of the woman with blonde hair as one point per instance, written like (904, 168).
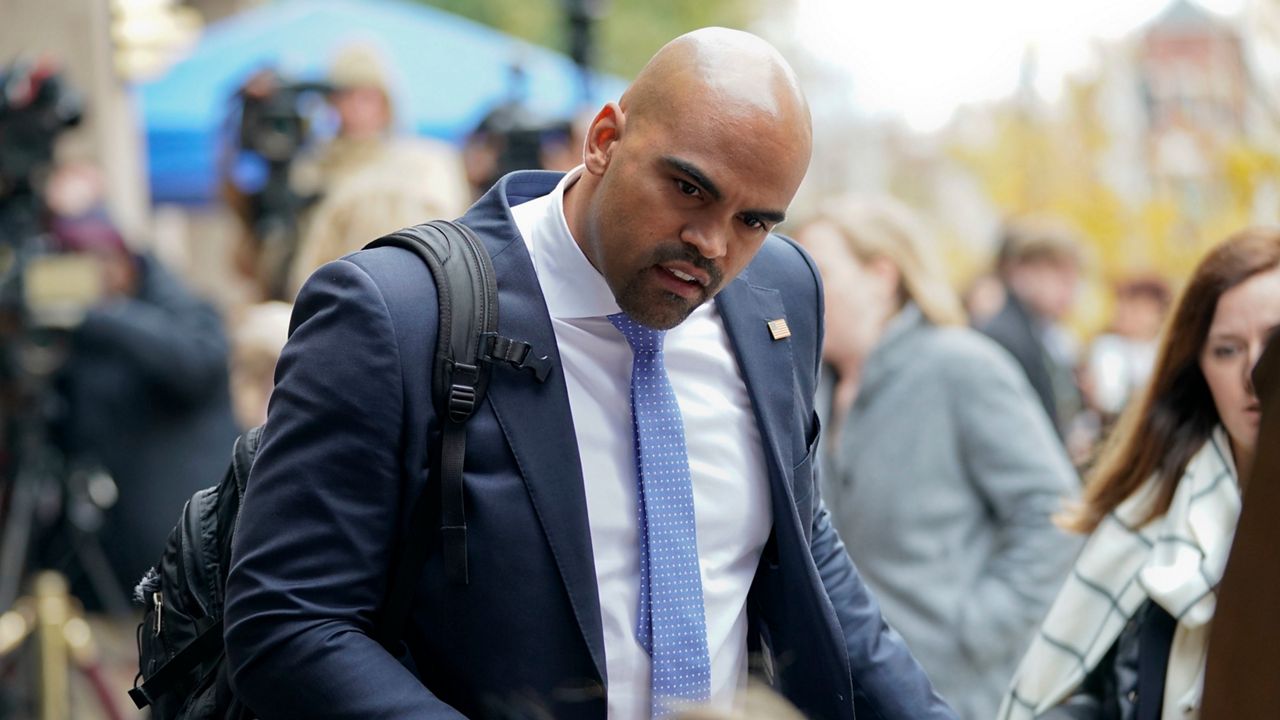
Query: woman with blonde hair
(1127, 635)
(942, 472)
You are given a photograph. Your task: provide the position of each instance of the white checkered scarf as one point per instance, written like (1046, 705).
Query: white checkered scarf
(1175, 560)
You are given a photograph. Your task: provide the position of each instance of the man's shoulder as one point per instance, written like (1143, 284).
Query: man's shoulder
(392, 265)
(784, 270)
(783, 265)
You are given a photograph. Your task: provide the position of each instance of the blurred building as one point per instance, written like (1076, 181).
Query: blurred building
(1195, 86)
(1193, 72)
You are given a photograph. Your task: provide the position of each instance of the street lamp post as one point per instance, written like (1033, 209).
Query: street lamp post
(582, 16)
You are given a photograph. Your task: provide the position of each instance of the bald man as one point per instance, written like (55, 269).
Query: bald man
(644, 530)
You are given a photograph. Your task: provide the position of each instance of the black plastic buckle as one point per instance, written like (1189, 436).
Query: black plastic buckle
(462, 394)
(519, 355)
(139, 697)
(462, 402)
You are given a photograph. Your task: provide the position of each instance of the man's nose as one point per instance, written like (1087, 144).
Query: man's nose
(707, 237)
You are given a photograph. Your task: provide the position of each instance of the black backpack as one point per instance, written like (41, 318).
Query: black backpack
(182, 669)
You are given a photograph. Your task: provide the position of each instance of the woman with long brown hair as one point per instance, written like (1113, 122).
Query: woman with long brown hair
(1127, 633)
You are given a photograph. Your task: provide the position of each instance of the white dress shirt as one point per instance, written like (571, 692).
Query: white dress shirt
(726, 459)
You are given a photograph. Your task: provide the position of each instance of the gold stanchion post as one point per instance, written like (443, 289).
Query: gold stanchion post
(53, 610)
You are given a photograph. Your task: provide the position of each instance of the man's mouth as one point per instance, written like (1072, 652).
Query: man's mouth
(682, 272)
(687, 272)
(679, 282)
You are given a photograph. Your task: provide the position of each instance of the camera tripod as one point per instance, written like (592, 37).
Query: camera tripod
(41, 501)
(45, 501)
(46, 509)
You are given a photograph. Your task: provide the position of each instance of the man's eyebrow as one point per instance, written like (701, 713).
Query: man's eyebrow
(692, 171)
(772, 216)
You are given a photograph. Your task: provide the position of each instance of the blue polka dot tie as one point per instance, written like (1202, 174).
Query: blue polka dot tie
(672, 627)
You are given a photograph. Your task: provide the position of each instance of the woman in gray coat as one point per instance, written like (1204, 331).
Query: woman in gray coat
(942, 470)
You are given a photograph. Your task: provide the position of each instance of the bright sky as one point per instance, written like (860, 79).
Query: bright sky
(921, 58)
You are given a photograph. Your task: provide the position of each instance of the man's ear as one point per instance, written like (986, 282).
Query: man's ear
(603, 134)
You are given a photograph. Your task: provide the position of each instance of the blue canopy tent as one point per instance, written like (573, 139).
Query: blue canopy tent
(446, 74)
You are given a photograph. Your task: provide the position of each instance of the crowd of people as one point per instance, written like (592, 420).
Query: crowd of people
(996, 520)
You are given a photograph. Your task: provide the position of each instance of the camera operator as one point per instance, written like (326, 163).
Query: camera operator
(144, 382)
(370, 180)
(511, 136)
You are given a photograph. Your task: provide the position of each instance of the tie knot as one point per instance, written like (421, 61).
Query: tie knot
(642, 339)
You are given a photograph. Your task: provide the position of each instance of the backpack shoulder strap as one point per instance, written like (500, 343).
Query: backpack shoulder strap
(468, 300)
(467, 344)
(242, 456)
(467, 341)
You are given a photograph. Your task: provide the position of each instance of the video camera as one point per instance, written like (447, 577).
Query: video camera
(518, 137)
(35, 107)
(515, 137)
(38, 287)
(273, 119)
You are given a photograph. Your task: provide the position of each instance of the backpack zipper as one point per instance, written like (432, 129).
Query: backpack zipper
(157, 601)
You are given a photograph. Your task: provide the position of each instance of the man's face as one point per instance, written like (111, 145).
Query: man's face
(1048, 287)
(684, 202)
(362, 111)
(1139, 317)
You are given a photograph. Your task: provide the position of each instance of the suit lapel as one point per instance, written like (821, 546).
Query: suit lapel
(536, 417)
(768, 370)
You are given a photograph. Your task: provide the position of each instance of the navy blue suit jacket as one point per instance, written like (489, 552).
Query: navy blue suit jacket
(350, 424)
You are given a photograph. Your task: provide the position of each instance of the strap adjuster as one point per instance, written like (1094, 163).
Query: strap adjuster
(461, 402)
(518, 354)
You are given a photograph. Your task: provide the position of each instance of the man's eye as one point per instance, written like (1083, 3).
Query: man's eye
(754, 222)
(687, 188)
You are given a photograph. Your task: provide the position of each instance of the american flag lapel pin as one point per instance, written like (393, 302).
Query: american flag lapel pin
(778, 329)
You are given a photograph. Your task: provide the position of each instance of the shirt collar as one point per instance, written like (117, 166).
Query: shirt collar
(571, 285)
